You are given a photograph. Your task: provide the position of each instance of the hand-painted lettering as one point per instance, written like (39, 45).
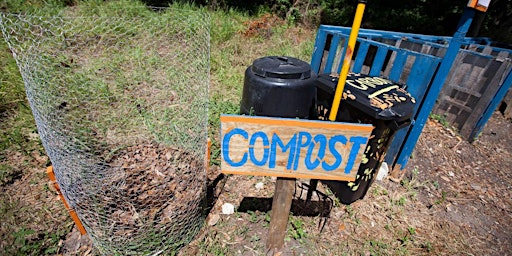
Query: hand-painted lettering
(290, 146)
(315, 147)
(334, 152)
(357, 142)
(357, 85)
(301, 144)
(265, 147)
(225, 147)
(320, 140)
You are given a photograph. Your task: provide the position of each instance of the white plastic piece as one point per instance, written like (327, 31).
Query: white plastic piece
(383, 171)
(228, 208)
(259, 185)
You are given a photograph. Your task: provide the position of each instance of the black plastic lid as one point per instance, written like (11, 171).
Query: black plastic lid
(376, 96)
(281, 67)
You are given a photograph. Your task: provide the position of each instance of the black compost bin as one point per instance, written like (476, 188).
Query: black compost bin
(279, 87)
(370, 100)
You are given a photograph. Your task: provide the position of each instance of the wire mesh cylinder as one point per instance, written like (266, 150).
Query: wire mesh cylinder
(120, 100)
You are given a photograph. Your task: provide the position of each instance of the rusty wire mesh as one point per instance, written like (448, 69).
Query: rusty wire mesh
(120, 100)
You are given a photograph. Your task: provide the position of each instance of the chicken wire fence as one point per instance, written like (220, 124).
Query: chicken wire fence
(120, 100)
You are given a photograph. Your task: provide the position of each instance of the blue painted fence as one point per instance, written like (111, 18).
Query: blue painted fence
(421, 62)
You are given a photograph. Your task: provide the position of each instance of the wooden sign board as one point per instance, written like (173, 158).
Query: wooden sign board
(292, 148)
(480, 5)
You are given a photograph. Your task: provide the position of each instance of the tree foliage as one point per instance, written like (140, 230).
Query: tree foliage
(496, 23)
(435, 17)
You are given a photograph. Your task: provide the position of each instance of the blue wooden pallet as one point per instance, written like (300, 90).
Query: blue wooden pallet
(378, 53)
(415, 69)
(422, 62)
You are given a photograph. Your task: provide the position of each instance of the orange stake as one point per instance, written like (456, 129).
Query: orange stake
(72, 212)
(208, 152)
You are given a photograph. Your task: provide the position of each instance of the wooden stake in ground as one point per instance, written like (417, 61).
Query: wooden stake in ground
(72, 212)
(281, 205)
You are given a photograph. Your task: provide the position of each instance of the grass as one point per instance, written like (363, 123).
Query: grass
(296, 228)
(441, 119)
(24, 230)
(29, 230)
(16, 121)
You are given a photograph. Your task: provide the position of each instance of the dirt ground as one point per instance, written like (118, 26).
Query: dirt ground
(475, 180)
(478, 174)
(454, 200)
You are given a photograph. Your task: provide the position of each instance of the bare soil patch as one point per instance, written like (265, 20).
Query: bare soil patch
(475, 181)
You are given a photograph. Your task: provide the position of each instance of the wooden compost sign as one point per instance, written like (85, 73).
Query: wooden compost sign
(292, 148)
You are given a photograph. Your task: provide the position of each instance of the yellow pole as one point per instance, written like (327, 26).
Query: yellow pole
(346, 61)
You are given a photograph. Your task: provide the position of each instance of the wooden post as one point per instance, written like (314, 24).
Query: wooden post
(281, 205)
